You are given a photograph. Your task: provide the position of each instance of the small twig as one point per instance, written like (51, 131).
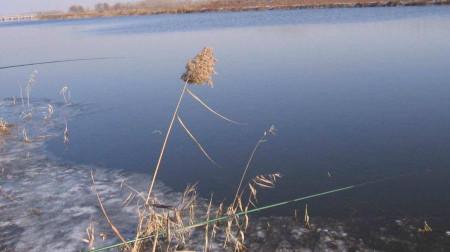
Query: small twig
(212, 110)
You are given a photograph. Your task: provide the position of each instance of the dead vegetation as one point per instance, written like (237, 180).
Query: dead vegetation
(5, 127)
(200, 69)
(163, 227)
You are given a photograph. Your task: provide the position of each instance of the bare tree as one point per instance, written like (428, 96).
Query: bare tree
(76, 9)
(101, 7)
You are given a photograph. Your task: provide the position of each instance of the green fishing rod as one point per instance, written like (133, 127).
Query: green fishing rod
(258, 209)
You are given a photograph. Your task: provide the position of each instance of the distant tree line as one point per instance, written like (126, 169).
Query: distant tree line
(76, 9)
(145, 4)
(100, 7)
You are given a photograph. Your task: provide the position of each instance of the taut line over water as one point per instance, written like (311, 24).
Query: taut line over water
(57, 61)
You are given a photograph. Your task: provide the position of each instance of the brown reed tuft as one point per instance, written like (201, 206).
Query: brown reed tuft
(4, 127)
(200, 69)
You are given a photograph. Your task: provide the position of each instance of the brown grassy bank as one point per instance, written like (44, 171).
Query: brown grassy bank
(143, 8)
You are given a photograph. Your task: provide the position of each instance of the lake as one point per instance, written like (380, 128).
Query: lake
(356, 95)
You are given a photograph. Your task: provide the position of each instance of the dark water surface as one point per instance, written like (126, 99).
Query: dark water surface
(361, 94)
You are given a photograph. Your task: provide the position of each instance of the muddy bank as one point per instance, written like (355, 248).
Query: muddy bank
(228, 6)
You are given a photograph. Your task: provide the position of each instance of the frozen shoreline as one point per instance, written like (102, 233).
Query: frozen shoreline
(46, 205)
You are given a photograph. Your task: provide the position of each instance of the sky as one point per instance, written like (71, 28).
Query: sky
(8, 7)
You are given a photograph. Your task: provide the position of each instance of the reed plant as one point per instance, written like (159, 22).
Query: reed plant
(168, 227)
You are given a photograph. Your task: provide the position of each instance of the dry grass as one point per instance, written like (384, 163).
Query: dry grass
(90, 236)
(307, 224)
(5, 127)
(105, 214)
(168, 227)
(426, 228)
(270, 132)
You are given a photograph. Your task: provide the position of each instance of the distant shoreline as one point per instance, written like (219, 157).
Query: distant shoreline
(247, 6)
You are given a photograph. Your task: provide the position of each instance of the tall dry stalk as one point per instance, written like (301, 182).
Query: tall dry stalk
(166, 139)
(270, 132)
(29, 86)
(105, 214)
(199, 71)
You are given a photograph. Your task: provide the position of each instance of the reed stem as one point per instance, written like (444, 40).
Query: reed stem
(260, 141)
(166, 139)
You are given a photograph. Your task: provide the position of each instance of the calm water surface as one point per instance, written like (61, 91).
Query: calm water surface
(361, 94)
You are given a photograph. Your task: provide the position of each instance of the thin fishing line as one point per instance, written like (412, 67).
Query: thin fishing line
(56, 61)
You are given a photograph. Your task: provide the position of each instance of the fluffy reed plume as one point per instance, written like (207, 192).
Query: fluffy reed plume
(65, 92)
(30, 84)
(200, 69)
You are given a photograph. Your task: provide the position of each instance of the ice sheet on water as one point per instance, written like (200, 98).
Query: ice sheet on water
(46, 205)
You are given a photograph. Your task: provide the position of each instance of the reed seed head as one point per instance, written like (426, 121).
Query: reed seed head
(200, 69)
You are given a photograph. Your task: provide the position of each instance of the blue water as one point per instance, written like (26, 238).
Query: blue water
(360, 94)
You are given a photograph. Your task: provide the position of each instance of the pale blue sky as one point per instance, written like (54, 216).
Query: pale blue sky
(24, 6)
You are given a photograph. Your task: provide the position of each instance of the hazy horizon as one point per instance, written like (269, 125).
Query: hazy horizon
(27, 6)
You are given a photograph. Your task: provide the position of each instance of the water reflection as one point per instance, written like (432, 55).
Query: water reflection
(357, 93)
